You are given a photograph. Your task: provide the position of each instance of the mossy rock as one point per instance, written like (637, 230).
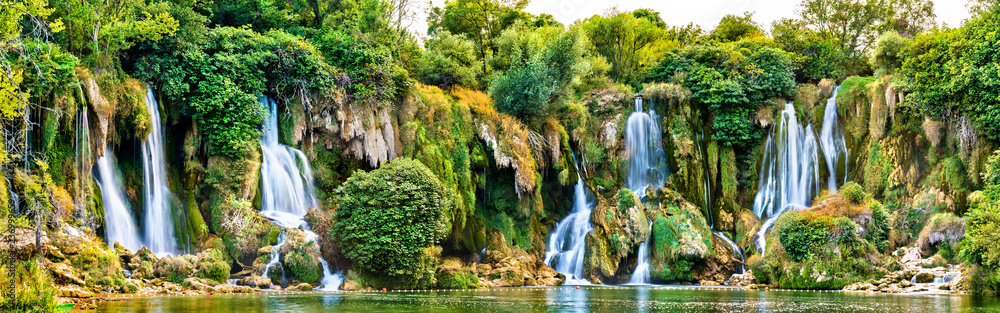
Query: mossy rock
(213, 265)
(457, 278)
(176, 269)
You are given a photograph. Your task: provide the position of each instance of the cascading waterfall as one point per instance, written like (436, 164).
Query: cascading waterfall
(568, 244)
(707, 185)
(158, 219)
(641, 274)
(287, 191)
(789, 173)
(83, 158)
(644, 148)
(275, 259)
(118, 223)
(832, 141)
(737, 252)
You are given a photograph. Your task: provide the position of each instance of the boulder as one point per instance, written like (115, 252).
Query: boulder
(745, 279)
(63, 273)
(230, 288)
(71, 291)
(709, 283)
(301, 287)
(255, 281)
(924, 278)
(300, 255)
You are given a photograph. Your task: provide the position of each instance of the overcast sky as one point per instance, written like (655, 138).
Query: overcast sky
(706, 13)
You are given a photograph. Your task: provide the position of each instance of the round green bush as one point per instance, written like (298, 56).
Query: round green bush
(388, 219)
(853, 192)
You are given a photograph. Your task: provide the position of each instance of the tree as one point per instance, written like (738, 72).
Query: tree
(450, 60)
(857, 23)
(851, 22)
(980, 6)
(536, 67)
(479, 20)
(820, 54)
(630, 43)
(732, 28)
(387, 220)
(887, 55)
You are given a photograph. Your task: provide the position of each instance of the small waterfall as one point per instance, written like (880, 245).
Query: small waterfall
(118, 224)
(831, 140)
(568, 244)
(158, 219)
(287, 192)
(641, 274)
(644, 149)
(707, 185)
(83, 159)
(737, 252)
(275, 259)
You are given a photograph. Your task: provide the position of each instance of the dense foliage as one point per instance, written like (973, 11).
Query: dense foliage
(731, 80)
(388, 218)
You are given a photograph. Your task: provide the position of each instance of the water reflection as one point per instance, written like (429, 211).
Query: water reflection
(597, 299)
(642, 298)
(567, 299)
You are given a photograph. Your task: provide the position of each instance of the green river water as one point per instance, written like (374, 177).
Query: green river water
(563, 299)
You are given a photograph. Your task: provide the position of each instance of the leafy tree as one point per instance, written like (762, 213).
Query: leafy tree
(953, 72)
(631, 42)
(389, 217)
(450, 60)
(101, 29)
(980, 6)
(820, 54)
(907, 17)
(886, 56)
(482, 21)
(532, 72)
(732, 28)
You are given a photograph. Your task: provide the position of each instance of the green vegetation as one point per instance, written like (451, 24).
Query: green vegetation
(389, 218)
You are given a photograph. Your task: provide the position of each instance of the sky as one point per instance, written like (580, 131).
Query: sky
(705, 13)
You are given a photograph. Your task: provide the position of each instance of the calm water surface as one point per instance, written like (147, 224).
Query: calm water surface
(563, 299)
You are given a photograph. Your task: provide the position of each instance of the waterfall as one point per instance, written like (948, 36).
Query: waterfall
(275, 259)
(737, 252)
(83, 158)
(644, 148)
(568, 244)
(789, 172)
(158, 219)
(118, 224)
(641, 274)
(707, 185)
(831, 140)
(287, 191)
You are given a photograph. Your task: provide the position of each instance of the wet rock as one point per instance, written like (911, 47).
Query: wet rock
(350, 284)
(255, 281)
(197, 284)
(142, 264)
(300, 255)
(742, 279)
(301, 287)
(709, 283)
(230, 288)
(73, 292)
(924, 278)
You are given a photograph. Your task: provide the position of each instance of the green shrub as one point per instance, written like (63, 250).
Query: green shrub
(450, 60)
(799, 234)
(853, 192)
(878, 228)
(35, 290)
(214, 266)
(389, 217)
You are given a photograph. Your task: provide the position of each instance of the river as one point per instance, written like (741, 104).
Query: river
(563, 299)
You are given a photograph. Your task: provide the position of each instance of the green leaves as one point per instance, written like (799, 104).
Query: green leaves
(387, 218)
